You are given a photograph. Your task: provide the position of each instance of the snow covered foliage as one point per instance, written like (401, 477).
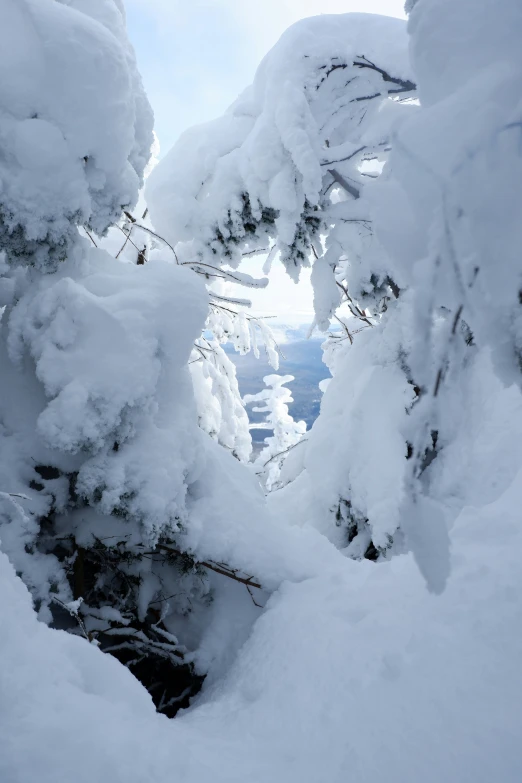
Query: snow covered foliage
(291, 169)
(78, 419)
(403, 419)
(270, 172)
(287, 433)
(75, 124)
(286, 165)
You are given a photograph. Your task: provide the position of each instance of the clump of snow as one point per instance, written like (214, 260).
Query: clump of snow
(81, 326)
(221, 412)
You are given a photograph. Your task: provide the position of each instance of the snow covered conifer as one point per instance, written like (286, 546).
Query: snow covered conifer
(287, 433)
(117, 485)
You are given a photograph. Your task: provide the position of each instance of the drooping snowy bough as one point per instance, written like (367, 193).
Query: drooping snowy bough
(404, 424)
(75, 124)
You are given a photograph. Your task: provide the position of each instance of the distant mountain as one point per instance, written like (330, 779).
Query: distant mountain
(302, 359)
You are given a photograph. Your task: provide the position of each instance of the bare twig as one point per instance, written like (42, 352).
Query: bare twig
(440, 373)
(280, 454)
(162, 239)
(231, 300)
(354, 308)
(90, 237)
(128, 238)
(75, 614)
(342, 160)
(14, 495)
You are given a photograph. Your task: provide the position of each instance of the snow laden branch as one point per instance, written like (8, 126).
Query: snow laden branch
(287, 163)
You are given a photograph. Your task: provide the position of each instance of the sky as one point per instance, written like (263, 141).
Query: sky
(197, 56)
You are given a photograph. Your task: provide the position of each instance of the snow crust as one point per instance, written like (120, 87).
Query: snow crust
(446, 225)
(287, 433)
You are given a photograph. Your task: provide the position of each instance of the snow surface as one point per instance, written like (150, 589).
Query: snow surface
(353, 674)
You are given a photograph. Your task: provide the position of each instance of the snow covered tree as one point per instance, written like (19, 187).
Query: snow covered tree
(291, 159)
(112, 496)
(221, 410)
(287, 433)
(75, 141)
(421, 425)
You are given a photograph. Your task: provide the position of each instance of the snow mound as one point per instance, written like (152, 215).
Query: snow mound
(355, 673)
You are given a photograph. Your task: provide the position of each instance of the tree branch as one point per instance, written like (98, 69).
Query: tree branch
(344, 184)
(219, 568)
(404, 85)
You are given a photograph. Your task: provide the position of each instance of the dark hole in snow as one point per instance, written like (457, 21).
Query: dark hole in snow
(47, 472)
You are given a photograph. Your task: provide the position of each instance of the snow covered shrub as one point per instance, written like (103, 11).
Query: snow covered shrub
(457, 168)
(269, 174)
(103, 446)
